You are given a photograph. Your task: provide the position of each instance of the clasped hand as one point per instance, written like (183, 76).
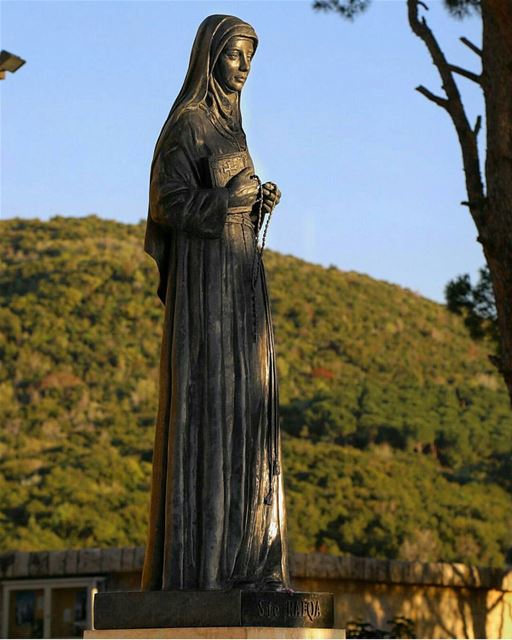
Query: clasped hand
(243, 190)
(271, 196)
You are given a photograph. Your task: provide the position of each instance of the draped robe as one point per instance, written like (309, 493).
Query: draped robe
(217, 517)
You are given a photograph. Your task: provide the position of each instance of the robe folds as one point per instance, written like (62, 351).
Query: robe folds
(217, 518)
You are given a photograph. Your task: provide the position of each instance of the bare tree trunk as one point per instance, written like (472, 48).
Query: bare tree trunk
(497, 232)
(491, 211)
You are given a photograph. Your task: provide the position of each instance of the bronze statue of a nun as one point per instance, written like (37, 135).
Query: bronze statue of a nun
(217, 518)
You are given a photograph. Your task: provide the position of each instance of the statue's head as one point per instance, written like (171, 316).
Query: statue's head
(222, 52)
(222, 49)
(234, 63)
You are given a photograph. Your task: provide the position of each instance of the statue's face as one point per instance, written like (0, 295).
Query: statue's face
(234, 63)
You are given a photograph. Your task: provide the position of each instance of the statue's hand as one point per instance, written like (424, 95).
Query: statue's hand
(271, 196)
(243, 190)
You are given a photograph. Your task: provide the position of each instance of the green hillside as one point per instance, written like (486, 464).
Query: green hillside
(397, 432)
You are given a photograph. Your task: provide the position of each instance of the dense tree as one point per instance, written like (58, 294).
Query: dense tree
(396, 430)
(476, 303)
(490, 204)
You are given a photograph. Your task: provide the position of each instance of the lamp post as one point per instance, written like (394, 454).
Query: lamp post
(9, 62)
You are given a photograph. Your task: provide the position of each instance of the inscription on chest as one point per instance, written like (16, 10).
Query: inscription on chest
(224, 167)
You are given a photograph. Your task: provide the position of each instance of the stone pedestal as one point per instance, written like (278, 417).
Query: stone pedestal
(219, 632)
(139, 610)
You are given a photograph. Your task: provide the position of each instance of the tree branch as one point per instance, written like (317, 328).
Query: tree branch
(454, 106)
(478, 126)
(471, 46)
(467, 74)
(477, 204)
(441, 102)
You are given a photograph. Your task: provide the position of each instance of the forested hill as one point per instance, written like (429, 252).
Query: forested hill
(397, 433)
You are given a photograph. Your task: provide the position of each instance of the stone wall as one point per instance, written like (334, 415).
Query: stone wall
(444, 600)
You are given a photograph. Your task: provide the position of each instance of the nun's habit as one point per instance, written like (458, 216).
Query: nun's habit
(217, 517)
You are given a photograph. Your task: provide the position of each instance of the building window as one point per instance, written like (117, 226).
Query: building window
(53, 608)
(69, 612)
(26, 614)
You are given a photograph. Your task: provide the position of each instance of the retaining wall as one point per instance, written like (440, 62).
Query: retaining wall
(444, 600)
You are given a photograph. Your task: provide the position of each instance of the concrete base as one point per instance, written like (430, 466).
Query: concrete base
(219, 632)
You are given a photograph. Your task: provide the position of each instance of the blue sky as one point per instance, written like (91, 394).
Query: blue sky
(370, 171)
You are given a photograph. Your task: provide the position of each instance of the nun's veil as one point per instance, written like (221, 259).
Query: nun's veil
(211, 38)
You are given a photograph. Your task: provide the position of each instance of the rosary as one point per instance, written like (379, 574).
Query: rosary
(273, 433)
(258, 250)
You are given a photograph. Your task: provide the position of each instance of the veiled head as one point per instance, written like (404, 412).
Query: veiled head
(211, 44)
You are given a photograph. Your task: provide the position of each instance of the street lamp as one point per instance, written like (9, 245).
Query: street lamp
(9, 62)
